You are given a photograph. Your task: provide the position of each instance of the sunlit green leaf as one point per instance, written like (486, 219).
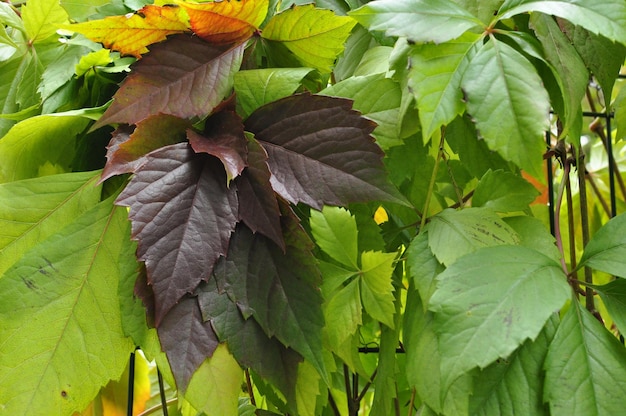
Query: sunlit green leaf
(342, 314)
(334, 230)
(42, 19)
(376, 287)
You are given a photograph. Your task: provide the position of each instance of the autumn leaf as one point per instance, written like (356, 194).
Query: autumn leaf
(185, 77)
(182, 216)
(132, 33)
(226, 21)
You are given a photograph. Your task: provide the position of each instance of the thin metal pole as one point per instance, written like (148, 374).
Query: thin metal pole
(131, 385)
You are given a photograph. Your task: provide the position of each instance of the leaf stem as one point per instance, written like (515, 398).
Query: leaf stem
(250, 389)
(158, 407)
(557, 215)
(412, 401)
(433, 178)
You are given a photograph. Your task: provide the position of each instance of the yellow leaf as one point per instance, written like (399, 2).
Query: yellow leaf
(226, 21)
(132, 33)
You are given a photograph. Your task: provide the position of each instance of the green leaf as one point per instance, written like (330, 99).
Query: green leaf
(342, 313)
(506, 98)
(514, 386)
(34, 209)
(503, 192)
(606, 250)
(307, 389)
(377, 98)
(435, 21)
(435, 73)
(37, 141)
(452, 234)
(585, 367)
(374, 61)
(534, 234)
(357, 44)
(568, 65)
(42, 18)
(334, 230)
(423, 267)
(376, 286)
(216, 384)
(489, 302)
(613, 295)
(65, 291)
(602, 17)
(315, 36)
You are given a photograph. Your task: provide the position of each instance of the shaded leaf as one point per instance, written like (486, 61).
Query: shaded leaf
(226, 21)
(186, 339)
(342, 313)
(452, 234)
(275, 287)
(34, 209)
(423, 267)
(315, 36)
(257, 87)
(334, 230)
(333, 161)
(435, 74)
(223, 138)
(132, 33)
(585, 367)
(376, 285)
(185, 77)
(41, 19)
(602, 17)
(182, 215)
(509, 105)
(258, 206)
(607, 248)
(129, 145)
(64, 290)
(307, 389)
(503, 192)
(533, 234)
(613, 296)
(489, 302)
(514, 385)
(419, 20)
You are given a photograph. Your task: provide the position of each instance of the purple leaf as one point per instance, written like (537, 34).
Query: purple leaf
(321, 152)
(182, 76)
(186, 339)
(182, 216)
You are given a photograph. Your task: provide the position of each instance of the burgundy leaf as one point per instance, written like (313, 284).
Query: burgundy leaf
(250, 346)
(276, 289)
(127, 146)
(182, 76)
(186, 339)
(258, 207)
(182, 216)
(321, 151)
(224, 138)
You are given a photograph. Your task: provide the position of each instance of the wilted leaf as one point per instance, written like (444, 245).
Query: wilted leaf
(64, 293)
(34, 209)
(226, 21)
(223, 138)
(435, 21)
(128, 146)
(607, 249)
(452, 234)
(131, 33)
(186, 339)
(315, 36)
(585, 367)
(509, 104)
(489, 302)
(331, 161)
(334, 230)
(182, 216)
(258, 206)
(185, 77)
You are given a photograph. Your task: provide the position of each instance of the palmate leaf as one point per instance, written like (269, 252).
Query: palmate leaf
(185, 77)
(585, 367)
(226, 21)
(607, 248)
(315, 36)
(331, 161)
(509, 105)
(182, 216)
(419, 20)
(335, 232)
(602, 17)
(613, 296)
(41, 19)
(132, 33)
(489, 302)
(64, 293)
(34, 209)
(376, 285)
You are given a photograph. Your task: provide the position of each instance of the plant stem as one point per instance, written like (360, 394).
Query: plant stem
(557, 215)
(573, 279)
(158, 407)
(162, 393)
(431, 185)
(412, 401)
(250, 389)
(333, 404)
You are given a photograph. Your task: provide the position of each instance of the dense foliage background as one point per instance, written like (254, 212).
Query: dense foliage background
(286, 207)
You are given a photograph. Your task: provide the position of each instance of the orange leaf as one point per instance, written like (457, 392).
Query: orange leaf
(130, 34)
(226, 21)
